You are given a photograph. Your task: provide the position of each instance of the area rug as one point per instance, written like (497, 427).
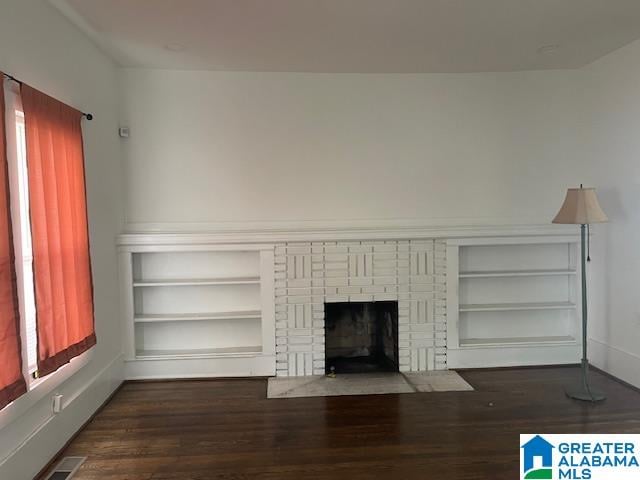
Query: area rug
(366, 384)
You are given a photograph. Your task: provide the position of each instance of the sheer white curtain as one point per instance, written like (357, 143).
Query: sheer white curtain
(19, 185)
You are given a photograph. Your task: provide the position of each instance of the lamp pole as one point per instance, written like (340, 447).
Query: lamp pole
(585, 392)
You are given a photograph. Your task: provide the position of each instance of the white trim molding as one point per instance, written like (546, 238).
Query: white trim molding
(302, 231)
(615, 361)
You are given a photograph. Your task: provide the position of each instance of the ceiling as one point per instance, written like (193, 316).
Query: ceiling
(359, 36)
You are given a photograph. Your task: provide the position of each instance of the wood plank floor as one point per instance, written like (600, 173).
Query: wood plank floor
(227, 429)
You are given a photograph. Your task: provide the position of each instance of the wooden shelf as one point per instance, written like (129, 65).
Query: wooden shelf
(516, 273)
(507, 307)
(494, 342)
(197, 282)
(196, 317)
(199, 353)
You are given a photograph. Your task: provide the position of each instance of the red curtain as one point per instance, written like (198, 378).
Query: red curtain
(59, 229)
(12, 383)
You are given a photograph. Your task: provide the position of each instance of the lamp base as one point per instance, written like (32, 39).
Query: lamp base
(586, 395)
(585, 392)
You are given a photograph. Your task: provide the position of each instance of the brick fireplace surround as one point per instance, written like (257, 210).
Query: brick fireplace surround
(308, 275)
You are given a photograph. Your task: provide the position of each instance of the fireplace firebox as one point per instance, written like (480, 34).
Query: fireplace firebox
(361, 337)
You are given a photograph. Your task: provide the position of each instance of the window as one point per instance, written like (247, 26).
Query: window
(47, 296)
(19, 186)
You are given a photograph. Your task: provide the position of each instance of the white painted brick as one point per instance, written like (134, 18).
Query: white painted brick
(335, 248)
(298, 250)
(336, 257)
(384, 281)
(387, 247)
(349, 290)
(384, 272)
(342, 266)
(337, 298)
(299, 331)
(361, 281)
(299, 299)
(337, 282)
(373, 289)
(361, 248)
(361, 298)
(421, 336)
(383, 297)
(299, 348)
(336, 273)
(384, 259)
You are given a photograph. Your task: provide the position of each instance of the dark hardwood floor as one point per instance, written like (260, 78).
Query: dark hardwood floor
(227, 429)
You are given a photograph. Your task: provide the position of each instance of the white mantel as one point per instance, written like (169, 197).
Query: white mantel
(302, 231)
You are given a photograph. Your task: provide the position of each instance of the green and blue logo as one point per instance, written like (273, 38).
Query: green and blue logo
(537, 459)
(580, 457)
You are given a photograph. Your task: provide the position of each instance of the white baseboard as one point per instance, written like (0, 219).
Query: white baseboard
(512, 356)
(615, 361)
(247, 366)
(30, 456)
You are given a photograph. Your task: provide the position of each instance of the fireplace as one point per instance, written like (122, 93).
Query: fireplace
(361, 337)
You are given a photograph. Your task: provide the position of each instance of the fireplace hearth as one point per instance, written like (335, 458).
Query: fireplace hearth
(361, 337)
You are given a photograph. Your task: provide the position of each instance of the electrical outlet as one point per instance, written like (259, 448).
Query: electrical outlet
(57, 403)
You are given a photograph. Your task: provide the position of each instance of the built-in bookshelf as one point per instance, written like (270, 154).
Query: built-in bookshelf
(512, 301)
(194, 310)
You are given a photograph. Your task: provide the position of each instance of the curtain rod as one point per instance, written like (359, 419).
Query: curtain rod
(88, 116)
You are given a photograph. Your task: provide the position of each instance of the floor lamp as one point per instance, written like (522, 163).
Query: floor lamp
(581, 207)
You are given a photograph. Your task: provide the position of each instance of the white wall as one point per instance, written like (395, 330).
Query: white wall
(612, 87)
(41, 47)
(210, 147)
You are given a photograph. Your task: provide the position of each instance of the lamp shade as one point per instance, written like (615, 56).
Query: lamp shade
(581, 207)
